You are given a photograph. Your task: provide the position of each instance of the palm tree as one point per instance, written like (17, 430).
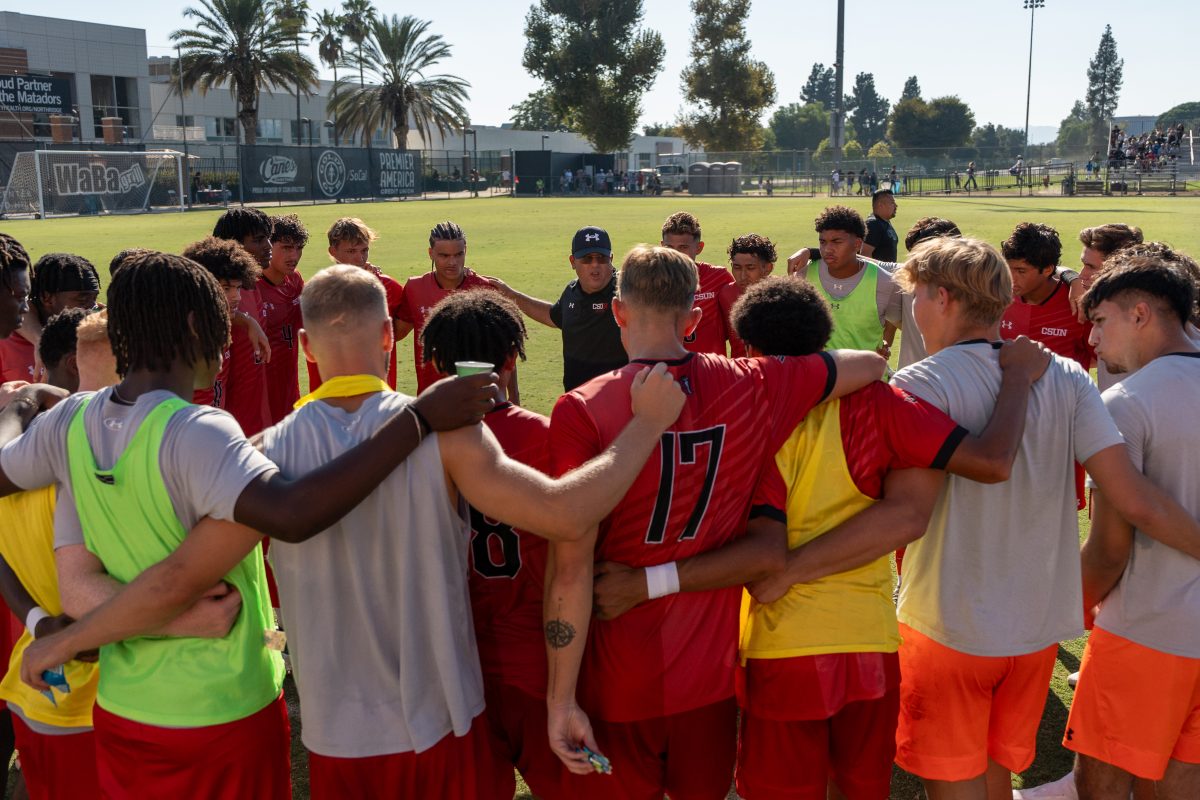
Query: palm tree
(294, 15)
(398, 53)
(241, 44)
(357, 16)
(327, 33)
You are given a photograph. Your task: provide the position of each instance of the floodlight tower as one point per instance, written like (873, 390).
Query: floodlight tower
(839, 108)
(1033, 6)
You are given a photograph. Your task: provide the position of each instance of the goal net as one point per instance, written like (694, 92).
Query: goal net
(56, 182)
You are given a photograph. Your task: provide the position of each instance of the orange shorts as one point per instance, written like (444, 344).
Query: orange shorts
(1135, 707)
(958, 710)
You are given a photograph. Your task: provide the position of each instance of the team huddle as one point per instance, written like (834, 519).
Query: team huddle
(680, 580)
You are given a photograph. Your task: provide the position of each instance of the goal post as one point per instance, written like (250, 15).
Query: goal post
(47, 183)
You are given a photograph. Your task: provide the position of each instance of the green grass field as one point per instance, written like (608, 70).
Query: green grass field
(526, 242)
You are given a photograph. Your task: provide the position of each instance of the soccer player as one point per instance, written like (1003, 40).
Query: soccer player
(507, 565)
(1041, 308)
(137, 466)
(15, 267)
(234, 270)
(58, 757)
(591, 339)
(1099, 243)
(448, 273)
(658, 681)
(751, 258)
(57, 281)
(350, 242)
(881, 239)
(820, 685)
(396, 709)
(279, 288)
(681, 233)
(1135, 711)
(249, 349)
(979, 626)
(865, 301)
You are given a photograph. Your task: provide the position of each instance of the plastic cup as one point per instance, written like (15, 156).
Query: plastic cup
(465, 368)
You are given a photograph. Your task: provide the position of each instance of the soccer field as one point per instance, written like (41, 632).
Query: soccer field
(526, 242)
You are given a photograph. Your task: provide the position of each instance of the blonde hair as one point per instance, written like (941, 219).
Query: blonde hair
(658, 278)
(93, 329)
(971, 271)
(341, 298)
(351, 229)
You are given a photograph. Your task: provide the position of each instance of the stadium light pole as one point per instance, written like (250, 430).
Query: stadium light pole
(187, 159)
(839, 101)
(1033, 6)
(545, 136)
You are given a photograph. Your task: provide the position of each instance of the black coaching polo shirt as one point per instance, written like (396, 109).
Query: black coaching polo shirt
(591, 338)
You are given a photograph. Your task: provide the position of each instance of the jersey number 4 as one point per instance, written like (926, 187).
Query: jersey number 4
(482, 532)
(680, 448)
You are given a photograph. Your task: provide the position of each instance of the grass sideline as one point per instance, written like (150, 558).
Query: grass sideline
(526, 242)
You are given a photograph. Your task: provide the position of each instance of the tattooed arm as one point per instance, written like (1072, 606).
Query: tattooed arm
(568, 606)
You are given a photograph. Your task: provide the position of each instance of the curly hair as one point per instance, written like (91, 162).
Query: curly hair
(927, 228)
(841, 218)
(760, 247)
(682, 223)
(1034, 243)
(478, 325)
(238, 223)
(783, 316)
(164, 308)
(288, 227)
(447, 232)
(13, 258)
(1108, 239)
(225, 259)
(58, 336)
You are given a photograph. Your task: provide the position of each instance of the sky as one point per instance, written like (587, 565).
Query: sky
(975, 49)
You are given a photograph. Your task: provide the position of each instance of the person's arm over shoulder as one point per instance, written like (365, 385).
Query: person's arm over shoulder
(37, 457)
(919, 380)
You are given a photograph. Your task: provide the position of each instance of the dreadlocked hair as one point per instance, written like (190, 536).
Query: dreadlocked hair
(164, 308)
(61, 272)
(238, 223)
(288, 227)
(478, 325)
(119, 258)
(13, 258)
(58, 336)
(225, 259)
(446, 232)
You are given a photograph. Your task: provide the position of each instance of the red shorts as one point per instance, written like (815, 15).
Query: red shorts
(688, 756)
(57, 767)
(249, 757)
(1135, 707)
(517, 721)
(808, 719)
(958, 710)
(456, 768)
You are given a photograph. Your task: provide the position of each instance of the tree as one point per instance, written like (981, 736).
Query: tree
(243, 45)
(727, 89)
(912, 89)
(931, 128)
(869, 119)
(852, 151)
(798, 127)
(294, 15)
(997, 140)
(399, 53)
(824, 152)
(661, 129)
(357, 16)
(596, 64)
(1074, 131)
(1104, 76)
(536, 113)
(821, 86)
(327, 33)
(1187, 113)
(879, 150)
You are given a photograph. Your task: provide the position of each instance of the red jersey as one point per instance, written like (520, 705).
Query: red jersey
(395, 301)
(726, 297)
(216, 395)
(508, 568)
(678, 653)
(17, 357)
(421, 294)
(1052, 323)
(709, 336)
(282, 323)
(247, 385)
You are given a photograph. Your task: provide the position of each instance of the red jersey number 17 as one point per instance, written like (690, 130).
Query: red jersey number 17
(680, 448)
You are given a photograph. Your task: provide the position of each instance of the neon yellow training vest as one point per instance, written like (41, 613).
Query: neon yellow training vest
(850, 612)
(129, 523)
(856, 324)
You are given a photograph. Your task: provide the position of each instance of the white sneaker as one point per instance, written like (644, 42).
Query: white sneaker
(1061, 789)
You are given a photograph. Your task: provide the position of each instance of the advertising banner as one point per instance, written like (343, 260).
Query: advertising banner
(296, 173)
(396, 173)
(35, 94)
(272, 172)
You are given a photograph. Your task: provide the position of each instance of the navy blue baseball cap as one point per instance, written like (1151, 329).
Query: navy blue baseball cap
(591, 240)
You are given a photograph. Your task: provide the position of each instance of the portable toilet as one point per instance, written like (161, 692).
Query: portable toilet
(697, 177)
(731, 178)
(716, 177)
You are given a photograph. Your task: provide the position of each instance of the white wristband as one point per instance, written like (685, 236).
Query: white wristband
(662, 580)
(35, 615)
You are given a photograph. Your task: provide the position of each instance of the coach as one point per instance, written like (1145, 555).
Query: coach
(591, 339)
